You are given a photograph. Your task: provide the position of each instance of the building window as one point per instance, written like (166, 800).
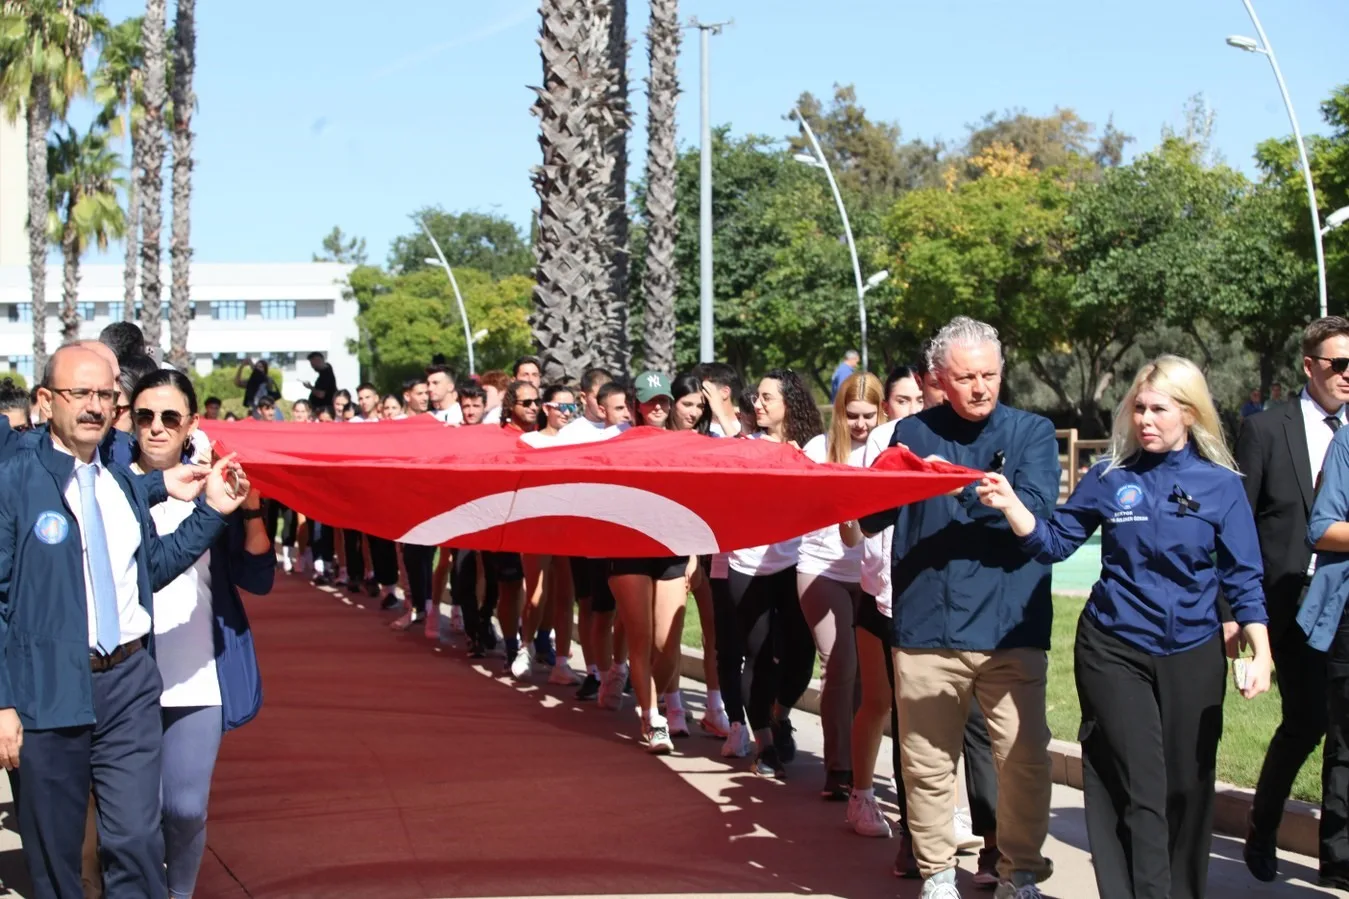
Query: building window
(163, 312)
(229, 310)
(278, 309)
(85, 311)
(23, 365)
(21, 312)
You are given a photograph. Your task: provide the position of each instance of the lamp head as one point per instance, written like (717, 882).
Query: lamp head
(878, 278)
(807, 159)
(1241, 42)
(429, 261)
(1337, 218)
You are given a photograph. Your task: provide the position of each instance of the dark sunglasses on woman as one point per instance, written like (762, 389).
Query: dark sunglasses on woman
(171, 418)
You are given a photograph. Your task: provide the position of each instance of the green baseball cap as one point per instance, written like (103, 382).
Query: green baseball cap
(651, 384)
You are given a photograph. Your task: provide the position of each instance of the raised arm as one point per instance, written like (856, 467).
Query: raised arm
(1056, 537)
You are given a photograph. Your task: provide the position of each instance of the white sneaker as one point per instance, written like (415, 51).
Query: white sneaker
(714, 723)
(432, 630)
(611, 687)
(866, 817)
(523, 664)
(658, 736)
(934, 890)
(404, 621)
(456, 620)
(679, 722)
(563, 676)
(966, 841)
(286, 564)
(737, 745)
(1008, 890)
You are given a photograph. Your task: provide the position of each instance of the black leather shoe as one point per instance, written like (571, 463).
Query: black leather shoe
(1335, 876)
(1261, 855)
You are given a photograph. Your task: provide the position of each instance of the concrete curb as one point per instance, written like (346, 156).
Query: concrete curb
(1298, 833)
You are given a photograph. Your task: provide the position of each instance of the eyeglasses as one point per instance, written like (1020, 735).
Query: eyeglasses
(528, 404)
(81, 394)
(1338, 364)
(564, 408)
(172, 418)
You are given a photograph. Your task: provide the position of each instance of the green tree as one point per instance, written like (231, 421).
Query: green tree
(483, 241)
(42, 45)
(119, 89)
(338, 247)
(83, 207)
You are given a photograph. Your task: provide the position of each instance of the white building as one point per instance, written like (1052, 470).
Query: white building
(13, 193)
(281, 313)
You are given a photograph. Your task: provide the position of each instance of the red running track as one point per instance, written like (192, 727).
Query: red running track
(383, 767)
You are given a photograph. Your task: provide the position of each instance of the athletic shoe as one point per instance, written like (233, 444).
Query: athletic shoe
(714, 723)
(966, 839)
(866, 817)
(1011, 889)
(737, 745)
(353, 587)
(767, 763)
(783, 741)
(987, 874)
(523, 665)
(432, 630)
(837, 786)
(611, 687)
(906, 864)
(658, 737)
(475, 650)
(679, 722)
(389, 602)
(456, 620)
(934, 890)
(404, 621)
(562, 675)
(371, 588)
(590, 688)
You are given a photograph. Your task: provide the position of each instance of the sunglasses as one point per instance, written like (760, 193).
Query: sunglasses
(171, 418)
(564, 408)
(528, 404)
(1338, 364)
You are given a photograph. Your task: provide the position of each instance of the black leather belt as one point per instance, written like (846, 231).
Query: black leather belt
(100, 662)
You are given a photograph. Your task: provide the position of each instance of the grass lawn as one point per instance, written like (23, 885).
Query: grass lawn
(1247, 725)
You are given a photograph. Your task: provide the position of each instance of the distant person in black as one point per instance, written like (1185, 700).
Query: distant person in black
(259, 384)
(322, 390)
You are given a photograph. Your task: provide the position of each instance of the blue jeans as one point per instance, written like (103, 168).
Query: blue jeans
(191, 742)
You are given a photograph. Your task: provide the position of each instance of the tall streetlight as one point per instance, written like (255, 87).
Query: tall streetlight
(1250, 45)
(441, 261)
(816, 159)
(705, 349)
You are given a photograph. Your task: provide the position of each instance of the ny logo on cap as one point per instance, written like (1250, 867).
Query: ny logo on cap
(653, 380)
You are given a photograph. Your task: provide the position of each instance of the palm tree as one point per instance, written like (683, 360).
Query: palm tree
(119, 84)
(616, 124)
(151, 172)
(83, 207)
(42, 44)
(184, 101)
(661, 281)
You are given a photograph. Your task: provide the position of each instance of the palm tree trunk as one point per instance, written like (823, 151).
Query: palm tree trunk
(615, 300)
(184, 61)
(661, 282)
(152, 171)
(133, 225)
(39, 115)
(70, 254)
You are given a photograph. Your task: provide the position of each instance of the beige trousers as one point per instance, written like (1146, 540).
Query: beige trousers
(934, 689)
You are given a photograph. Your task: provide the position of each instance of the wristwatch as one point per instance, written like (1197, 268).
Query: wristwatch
(250, 514)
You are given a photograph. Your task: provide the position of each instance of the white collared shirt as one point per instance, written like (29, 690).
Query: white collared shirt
(1319, 436)
(123, 532)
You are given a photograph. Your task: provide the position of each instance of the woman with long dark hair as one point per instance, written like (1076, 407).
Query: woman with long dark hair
(778, 648)
(202, 642)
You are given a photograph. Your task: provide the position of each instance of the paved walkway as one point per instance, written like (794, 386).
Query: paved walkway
(383, 766)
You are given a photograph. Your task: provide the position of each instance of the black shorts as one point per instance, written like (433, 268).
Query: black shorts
(658, 568)
(870, 619)
(590, 580)
(506, 568)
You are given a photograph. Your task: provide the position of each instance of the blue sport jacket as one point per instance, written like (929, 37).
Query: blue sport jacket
(44, 618)
(1323, 606)
(1163, 563)
(961, 579)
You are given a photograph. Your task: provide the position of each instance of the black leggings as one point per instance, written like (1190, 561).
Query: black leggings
(275, 513)
(384, 559)
(778, 646)
(420, 564)
(730, 657)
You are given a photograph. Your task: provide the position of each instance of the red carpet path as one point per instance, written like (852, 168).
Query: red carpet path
(383, 767)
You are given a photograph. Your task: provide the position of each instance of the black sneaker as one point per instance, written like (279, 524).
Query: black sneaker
(371, 588)
(837, 786)
(1334, 875)
(589, 689)
(390, 602)
(475, 650)
(768, 764)
(353, 587)
(1262, 856)
(783, 741)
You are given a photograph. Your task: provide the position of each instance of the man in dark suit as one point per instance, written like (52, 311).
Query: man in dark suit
(1280, 452)
(79, 689)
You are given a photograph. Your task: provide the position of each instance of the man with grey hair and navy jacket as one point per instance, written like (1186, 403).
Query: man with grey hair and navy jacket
(972, 616)
(79, 688)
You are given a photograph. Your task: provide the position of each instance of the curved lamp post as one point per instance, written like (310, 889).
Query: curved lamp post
(816, 159)
(441, 261)
(1251, 45)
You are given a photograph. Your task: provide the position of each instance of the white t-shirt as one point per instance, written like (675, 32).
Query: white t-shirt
(763, 560)
(580, 430)
(822, 552)
(184, 623)
(492, 416)
(876, 550)
(451, 416)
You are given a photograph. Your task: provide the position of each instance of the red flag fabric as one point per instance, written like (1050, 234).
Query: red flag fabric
(647, 492)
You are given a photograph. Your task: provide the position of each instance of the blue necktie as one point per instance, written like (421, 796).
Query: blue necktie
(109, 628)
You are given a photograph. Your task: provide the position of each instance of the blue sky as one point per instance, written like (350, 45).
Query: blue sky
(346, 113)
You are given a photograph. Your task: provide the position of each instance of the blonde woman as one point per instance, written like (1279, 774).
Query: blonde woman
(828, 580)
(1176, 530)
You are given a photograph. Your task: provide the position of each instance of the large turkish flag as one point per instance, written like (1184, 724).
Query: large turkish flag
(647, 492)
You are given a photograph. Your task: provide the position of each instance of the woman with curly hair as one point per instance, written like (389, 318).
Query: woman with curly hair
(778, 648)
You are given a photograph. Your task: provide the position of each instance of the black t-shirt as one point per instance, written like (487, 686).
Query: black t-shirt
(324, 389)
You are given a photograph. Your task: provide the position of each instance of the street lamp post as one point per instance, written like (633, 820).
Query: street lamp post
(1263, 46)
(441, 261)
(705, 319)
(1335, 219)
(817, 160)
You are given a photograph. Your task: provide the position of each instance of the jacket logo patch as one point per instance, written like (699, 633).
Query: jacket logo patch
(51, 527)
(1128, 496)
